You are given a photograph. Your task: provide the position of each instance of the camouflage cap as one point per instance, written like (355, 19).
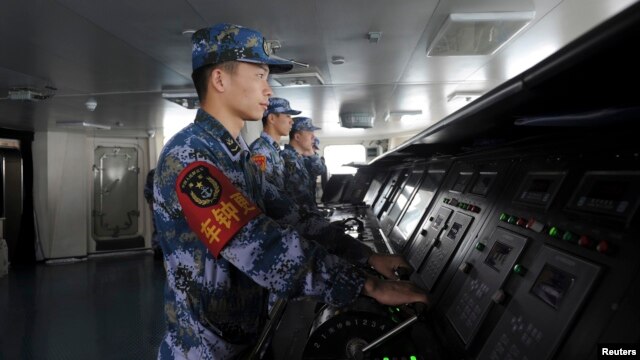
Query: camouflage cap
(302, 123)
(228, 42)
(279, 106)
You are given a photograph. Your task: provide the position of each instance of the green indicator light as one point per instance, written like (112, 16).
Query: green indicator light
(504, 217)
(385, 358)
(567, 236)
(480, 246)
(512, 220)
(553, 231)
(413, 357)
(519, 269)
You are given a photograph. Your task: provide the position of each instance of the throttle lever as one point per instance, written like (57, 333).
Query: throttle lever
(418, 308)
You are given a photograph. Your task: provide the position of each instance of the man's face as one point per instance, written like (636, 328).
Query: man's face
(247, 90)
(305, 139)
(282, 124)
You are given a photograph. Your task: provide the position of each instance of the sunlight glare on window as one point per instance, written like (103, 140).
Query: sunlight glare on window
(337, 155)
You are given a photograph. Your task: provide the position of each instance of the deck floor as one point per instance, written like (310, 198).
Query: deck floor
(101, 308)
(104, 308)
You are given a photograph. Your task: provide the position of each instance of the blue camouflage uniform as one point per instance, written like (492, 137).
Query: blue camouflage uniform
(273, 167)
(298, 179)
(265, 153)
(265, 150)
(220, 269)
(214, 306)
(299, 182)
(315, 166)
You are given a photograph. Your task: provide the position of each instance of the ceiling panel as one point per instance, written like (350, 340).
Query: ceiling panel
(125, 53)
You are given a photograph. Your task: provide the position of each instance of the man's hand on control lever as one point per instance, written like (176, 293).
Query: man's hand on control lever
(389, 266)
(393, 293)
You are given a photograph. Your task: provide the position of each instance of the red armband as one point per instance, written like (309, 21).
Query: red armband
(212, 206)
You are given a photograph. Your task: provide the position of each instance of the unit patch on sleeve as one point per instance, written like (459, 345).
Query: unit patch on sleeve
(261, 161)
(213, 207)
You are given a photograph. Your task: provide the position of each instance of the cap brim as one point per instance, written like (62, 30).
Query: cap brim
(316, 128)
(292, 112)
(275, 66)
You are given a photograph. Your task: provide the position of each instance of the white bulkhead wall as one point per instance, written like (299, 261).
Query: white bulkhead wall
(63, 187)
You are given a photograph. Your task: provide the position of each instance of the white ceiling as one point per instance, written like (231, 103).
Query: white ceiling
(126, 53)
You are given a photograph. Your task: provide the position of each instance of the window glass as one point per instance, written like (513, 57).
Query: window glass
(336, 156)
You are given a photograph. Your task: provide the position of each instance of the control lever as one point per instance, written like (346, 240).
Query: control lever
(418, 309)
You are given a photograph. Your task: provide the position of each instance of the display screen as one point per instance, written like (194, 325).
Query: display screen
(453, 232)
(498, 255)
(608, 190)
(405, 194)
(552, 285)
(461, 182)
(540, 188)
(612, 194)
(413, 214)
(419, 203)
(539, 185)
(483, 184)
(438, 221)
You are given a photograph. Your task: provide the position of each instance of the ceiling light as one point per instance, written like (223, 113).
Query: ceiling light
(91, 104)
(401, 113)
(337, 60)
(82, 124)
(466, 34)
(463, 96)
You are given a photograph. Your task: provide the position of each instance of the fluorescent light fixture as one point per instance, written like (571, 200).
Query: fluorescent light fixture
(82, 124)
(468, 34)
(463, 96)
(296, 79)
(401, 113)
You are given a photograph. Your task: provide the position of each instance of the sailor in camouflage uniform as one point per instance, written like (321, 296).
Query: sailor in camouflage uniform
(265, 150)
(299, 181)
(316, 167)
(222, 254)
(265, 153)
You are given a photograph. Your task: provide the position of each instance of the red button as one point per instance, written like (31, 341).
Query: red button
(521, 222)
(584, 241)
(603, 247)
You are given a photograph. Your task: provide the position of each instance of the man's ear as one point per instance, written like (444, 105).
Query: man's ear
(271, 118)
(218, 80)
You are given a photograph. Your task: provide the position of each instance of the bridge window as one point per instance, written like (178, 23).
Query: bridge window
(337, 155)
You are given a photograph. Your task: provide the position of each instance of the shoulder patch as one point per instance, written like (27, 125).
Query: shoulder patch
(214, 209)
(261, 161)
(291, 166)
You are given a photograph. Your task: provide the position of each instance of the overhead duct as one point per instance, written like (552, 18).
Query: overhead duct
(356, 120)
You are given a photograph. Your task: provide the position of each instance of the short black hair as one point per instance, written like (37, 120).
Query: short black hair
(201, 75)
